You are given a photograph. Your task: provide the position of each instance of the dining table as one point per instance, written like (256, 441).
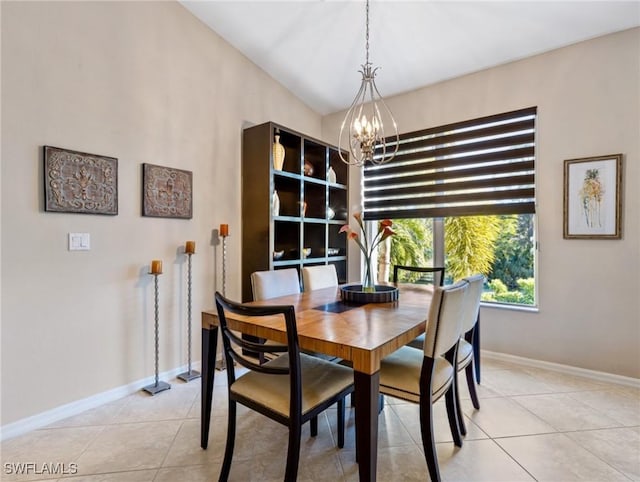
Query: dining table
(360, 334)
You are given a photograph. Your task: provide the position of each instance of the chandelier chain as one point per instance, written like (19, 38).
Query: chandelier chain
(367, 36)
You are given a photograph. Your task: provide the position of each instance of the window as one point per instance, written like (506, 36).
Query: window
(473, 184)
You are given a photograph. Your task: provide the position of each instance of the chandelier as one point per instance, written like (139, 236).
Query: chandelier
(364, 123)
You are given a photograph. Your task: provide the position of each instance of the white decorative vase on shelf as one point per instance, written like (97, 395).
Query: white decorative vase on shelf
(275, 209)
(278, 154)
(331, 175)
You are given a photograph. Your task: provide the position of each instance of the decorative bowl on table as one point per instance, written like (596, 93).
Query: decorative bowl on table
(356, 294)
(278, 254)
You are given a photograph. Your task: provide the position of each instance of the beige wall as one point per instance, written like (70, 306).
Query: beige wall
(146, 82)
(143, 82)
(588, 98)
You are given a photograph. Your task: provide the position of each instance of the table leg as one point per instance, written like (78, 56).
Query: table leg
(209, 344)
(367, 391)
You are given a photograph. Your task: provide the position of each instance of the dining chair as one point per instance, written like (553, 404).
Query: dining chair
(424, 377)
(318, 277)
(291, 389)
(436, 278)
(271, 284)
(467, 348)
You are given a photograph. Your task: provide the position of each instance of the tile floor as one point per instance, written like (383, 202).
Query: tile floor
(533, 425)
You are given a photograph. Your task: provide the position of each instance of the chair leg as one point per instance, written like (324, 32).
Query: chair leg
(293, 452)
(459, 414)
(341, 414)
(452, 398)
(452, 415)
(476, 349)
(314, 426)
(231, 437)
(428, 441)
(472, 386)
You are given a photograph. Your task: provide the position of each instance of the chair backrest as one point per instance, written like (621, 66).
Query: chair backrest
(436, 272)
(444, 325)
(318, 277)
(235, 346)
(271, 284)
(472, 302)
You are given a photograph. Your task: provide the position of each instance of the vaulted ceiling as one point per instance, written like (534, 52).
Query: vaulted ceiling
(315, 48)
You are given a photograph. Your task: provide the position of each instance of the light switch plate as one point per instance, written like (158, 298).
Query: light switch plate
(79, 242)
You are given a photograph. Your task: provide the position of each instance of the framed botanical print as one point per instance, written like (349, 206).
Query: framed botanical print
(593, 198)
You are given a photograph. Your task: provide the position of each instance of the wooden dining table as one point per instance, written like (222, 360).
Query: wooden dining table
(362, 334)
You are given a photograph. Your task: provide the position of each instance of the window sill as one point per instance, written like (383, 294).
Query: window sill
(508, 306)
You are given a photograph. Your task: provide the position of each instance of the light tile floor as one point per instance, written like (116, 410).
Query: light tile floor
(533, 425)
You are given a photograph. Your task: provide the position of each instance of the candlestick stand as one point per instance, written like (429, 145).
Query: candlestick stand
(158, 386)
(221, 364)
(224, 266)
(189, 374)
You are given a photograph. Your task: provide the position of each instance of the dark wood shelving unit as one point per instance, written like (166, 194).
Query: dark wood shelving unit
(312, 209)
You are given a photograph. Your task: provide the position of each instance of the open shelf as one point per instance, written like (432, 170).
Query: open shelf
(305, 195)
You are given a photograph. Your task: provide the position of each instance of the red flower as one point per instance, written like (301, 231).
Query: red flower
(384, 231)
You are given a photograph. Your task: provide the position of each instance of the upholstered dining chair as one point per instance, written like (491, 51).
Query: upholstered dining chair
(467, 356)
(425, 376)
(427, 275)
(291, 389)
(318, 277)
(271, 284)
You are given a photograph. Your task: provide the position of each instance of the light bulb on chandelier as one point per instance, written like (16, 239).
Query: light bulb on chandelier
(364, 123)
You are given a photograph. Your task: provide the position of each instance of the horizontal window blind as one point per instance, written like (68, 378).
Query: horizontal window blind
(476, 167)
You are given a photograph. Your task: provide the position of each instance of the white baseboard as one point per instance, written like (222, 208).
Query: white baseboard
(43, 419)
(568, 369)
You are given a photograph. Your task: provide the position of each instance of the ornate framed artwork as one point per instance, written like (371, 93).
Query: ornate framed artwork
(78, 182)
(593, 198)
(166, 192)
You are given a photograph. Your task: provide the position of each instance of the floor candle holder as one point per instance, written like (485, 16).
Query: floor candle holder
(224, 266)
(190, 374)
(158, 386)
(224, 234)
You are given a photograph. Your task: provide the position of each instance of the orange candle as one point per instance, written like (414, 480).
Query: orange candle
(224, 230)
(190, 247)
(156, 266)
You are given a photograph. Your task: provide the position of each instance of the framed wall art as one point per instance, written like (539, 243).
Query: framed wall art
(166, 192)
(593, 198)
(78, 182)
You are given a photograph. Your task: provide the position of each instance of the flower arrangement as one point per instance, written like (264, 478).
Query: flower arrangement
(384, 231)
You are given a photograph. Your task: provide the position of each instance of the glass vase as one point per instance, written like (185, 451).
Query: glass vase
(368, 285)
